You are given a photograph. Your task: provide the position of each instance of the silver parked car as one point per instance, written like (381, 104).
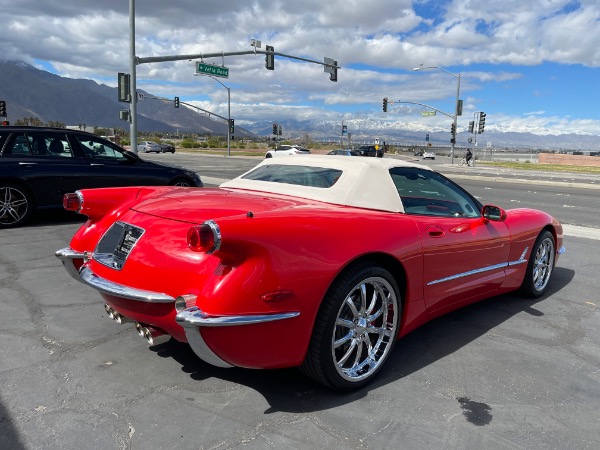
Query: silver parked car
(149, 147)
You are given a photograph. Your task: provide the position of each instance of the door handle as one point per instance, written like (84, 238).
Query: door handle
(435, 232)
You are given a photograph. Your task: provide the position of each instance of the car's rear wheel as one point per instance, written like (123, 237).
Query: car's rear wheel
(183, 182)
(355, 329)
(268, 155)
(16, 205)
(540, 265)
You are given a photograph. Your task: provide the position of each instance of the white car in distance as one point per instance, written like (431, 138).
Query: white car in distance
(287, 150)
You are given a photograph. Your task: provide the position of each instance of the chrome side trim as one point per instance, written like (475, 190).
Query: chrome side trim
(521, 260)
(67, 255)
(120, 290)
(194, 317)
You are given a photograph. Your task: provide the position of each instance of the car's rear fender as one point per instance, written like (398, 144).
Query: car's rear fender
(302, 268)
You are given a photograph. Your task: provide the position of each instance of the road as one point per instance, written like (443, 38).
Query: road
(505, 373)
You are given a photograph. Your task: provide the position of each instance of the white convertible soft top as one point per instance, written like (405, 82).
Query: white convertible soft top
(365, 182)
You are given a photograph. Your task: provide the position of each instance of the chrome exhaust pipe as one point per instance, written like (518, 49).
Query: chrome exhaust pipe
(109, 311)
(121, 319)
(154, 336)
(140, 329)
(114, 315)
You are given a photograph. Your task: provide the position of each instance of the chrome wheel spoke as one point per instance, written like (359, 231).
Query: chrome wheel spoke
(352, 307)
(344, 339)
(344, 358)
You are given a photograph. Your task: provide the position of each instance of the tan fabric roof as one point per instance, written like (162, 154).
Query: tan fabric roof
(364, 183)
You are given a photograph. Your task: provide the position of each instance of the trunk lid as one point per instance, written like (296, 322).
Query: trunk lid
(197, 205)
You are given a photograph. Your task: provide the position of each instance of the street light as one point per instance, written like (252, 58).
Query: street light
(457, 75)
(228, 115)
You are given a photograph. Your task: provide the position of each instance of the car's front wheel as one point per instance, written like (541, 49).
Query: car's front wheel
(540, 265)
(16, 205)
(355, 329)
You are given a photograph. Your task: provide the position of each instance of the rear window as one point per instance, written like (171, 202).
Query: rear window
(320, 177)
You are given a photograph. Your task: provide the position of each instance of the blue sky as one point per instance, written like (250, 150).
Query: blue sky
(531, 66)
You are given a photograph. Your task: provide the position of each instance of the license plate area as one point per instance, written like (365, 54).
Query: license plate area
(116, 244)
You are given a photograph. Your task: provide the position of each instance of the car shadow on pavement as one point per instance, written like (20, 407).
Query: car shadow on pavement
(288, 390)
(54, 217)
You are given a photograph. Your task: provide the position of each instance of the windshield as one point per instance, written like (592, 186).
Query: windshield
(320, 177)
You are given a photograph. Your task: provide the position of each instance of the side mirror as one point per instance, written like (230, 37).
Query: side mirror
(491, 212)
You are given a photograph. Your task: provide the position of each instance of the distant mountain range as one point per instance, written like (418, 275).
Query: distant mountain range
(30, 92)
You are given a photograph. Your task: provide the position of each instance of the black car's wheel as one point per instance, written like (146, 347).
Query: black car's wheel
(15, 205)
(540, 266)
(182, 182)
(355, 329)
(268, 155)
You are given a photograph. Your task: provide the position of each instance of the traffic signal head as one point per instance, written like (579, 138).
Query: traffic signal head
(385, 104)
(270, 58)
(124, 87)
(275, 129)
(481, 122)
(231, 126)
(2, 108)
(453, 130)
(333, 74)
(176, 102)
(471, 126)
(5, 123)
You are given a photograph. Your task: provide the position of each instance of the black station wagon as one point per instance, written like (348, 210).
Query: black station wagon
(39, 165)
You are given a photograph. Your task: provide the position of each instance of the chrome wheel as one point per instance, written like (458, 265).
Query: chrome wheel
(543, 262)
(15, 205)
(182, 183)
(540, 266)
(356, 327)
(365, 326)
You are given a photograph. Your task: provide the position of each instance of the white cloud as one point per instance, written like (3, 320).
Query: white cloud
(377, 44)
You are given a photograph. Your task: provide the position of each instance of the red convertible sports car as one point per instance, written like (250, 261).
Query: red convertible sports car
(320, 262)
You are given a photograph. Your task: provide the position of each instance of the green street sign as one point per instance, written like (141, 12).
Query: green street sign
(428, 113)
(209, 69)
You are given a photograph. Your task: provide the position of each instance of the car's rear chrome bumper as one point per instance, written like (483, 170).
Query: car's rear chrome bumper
(191, 319)
(68, 256)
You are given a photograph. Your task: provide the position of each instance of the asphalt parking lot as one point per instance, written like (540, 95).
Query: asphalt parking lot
(502, 374)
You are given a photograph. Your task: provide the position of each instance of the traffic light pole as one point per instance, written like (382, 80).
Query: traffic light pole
(455, 117)
(456, 105)
(133, 88)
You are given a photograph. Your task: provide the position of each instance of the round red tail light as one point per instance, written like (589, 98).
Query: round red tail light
(204, 238)
(72, 202)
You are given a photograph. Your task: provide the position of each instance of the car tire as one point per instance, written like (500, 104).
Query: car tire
(182, 182)
(268, 155)
(355, 329)
(540, 266)
(16, 205)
